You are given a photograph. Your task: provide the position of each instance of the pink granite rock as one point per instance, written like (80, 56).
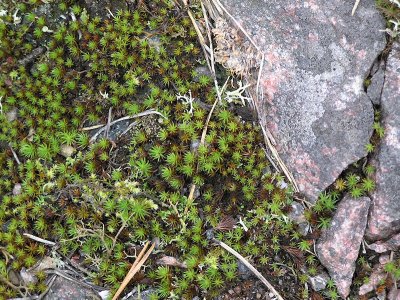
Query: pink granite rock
(317, 56)
(339, 245)
(384, 219)
(375, 279)
(391, 244)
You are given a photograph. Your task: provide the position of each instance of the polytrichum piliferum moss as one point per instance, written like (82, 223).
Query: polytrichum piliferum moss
(108, 196)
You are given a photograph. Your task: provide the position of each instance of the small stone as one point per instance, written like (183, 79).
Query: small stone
(297, 213)
(374, 90)
(67, 150)
(237, 289)
(194, 145)
(303, 228)
(12, 115)
(394, 293)
(17, 189)
(243, 271)
(339, 245)
(377, 276)
(391, 244)
(13, 277)
(384, 259)
(258, 296)
(318, 282)
(231, 292)
(27, 277)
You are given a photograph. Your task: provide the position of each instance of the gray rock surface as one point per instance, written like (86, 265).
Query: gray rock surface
(319, 282)
(339, 245)
(374, 90)
(316, 59)
(384, 217)
(63, 289)
(391, 244)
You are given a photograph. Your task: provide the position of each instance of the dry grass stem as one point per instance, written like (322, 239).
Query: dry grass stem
(140, 260)
(251, 268)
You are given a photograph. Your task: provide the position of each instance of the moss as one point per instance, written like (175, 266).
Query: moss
(114, 193)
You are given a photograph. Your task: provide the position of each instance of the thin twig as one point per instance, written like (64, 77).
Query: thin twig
(140, 260)
(108, 122)
(355, 7)
(14, 154)
(38, 239)
(142, 114)
(250, 267)
(92, 127)
(202, 140)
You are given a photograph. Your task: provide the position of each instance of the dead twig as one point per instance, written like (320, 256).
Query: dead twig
(38, 239)
(142, 114)
(355, 7)
(108, 122)
(137, 264)
(250, 267)
(14, 154)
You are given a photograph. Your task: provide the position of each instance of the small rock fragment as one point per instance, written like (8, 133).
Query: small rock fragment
(171, 261)
(374, 90)
(63, 289)
(27, 277)
(12, 115)
(390, 245)
(384, 219)
(17, 189)
(297, 213)
(67, 151)
(378, 274)
(318, 282)
(339, 245)
(394, 294)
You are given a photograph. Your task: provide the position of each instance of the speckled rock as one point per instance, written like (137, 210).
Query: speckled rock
(391, 244)
(316, 59)
(319, 282)
(377, 276)
(63, 289)
(99, 8)
(339, 245)
(384, 218)
(374, 90)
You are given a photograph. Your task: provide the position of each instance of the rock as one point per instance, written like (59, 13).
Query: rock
(394, 294)
(237, 290)
(63, 289)
(390, 245)
(297, 213)
(67, 151)
(374, 90)
(384, 219)
(339, 245)
(316, 59)
(318, 282)
(27, 277)
(375, 279)
(17, 189)
(297, 216)
(14, 278)
(244, 272)
(12, 115)
(98, 8)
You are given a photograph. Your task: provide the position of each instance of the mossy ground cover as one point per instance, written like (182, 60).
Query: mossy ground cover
(111, 194)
